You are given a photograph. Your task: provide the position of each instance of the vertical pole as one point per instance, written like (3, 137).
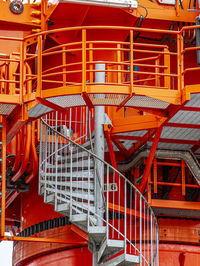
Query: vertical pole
(155, 176)
(157, 77)
(21, 81)
(64, 61)
(91, 60)
(131, 63)
(167, 79)
(99, 144)
(179, 61)
(119, 67)
(3, 184)
(39, 67)
(183, 177)
(83, 60)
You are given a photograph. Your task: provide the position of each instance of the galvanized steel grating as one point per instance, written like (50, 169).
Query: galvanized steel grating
(144, 101)
(186, 117)
(6, 109)
(39, 110)
(68, 100)
(107, 99)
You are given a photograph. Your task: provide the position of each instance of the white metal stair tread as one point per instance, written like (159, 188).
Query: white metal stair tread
(81, 163)
(81, 155)
(80, 195)
(78, 174)
(75, 184)
(109, 247)
(124, 259)
(64, 207)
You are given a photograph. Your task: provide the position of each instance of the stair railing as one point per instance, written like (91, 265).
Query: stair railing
(67, 180)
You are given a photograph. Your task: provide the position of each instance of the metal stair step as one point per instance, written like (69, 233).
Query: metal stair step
(81, 195)
(82, 155)
(97, 233)
(124, 259)
(75, 184)
(76, 164)
(109, 248)
(75, 174)
(79, 218)
(64, 207)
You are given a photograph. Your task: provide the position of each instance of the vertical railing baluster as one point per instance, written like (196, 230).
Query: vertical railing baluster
(56, 162)
(45, 171)
(39, 67)
(125, 216)
(40, 158)
(131, 63)
(135, 221)
(140, 230)
(151, 246)
(144, 231)
(83, 60)
(64, 69)
(107, 203)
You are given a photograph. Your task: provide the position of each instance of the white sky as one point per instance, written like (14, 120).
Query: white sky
(6, 248)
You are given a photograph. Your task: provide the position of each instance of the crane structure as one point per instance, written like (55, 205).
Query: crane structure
(100, 132)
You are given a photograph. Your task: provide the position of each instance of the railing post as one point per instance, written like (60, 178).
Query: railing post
(91, 64)
(64, 61)
(167, 79)
(119, 68)
(155, 176)
(180, 62)
(83, 60)
(39, 67)
(131, 63)
(3, 182)
(157, 70)
(40, 156)
(183, 177)
(21, 81)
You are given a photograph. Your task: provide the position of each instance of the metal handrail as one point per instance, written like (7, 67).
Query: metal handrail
(142, 201)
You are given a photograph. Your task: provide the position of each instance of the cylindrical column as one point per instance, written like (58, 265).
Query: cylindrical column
(99, 145)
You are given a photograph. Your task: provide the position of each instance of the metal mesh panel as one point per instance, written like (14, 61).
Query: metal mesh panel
(144, 101)
(194, 100)
(173, 146)
(176, 212)
(6, 109)
(107, 99)
(68, 100)
(38, 110)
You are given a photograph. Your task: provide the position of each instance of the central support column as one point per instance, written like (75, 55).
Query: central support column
(99, 145)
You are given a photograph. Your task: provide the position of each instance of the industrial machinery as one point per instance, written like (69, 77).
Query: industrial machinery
(100, 132)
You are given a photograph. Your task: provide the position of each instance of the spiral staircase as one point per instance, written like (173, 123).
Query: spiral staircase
(121, 226)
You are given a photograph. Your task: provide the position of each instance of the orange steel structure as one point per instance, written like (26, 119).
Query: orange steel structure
(48, 56)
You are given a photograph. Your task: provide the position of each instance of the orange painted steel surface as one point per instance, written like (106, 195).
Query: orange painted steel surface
(50, 78)
(77, 256)
(64, 65)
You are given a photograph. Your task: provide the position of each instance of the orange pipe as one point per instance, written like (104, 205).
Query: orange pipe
(26, 155)
(35, 157)
(18, 153)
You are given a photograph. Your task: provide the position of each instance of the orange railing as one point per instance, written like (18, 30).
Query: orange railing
(131, 67)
